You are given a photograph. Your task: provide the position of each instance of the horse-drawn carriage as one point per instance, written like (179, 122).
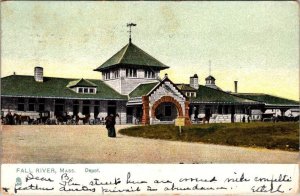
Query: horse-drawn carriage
(44, 118)
(14, 118)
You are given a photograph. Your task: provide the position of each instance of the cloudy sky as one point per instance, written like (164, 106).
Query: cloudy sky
(256, 43)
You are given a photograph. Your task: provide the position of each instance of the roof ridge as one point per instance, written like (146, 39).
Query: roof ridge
(149, 55)
(125, 50)
(221, 91)
(44, 77)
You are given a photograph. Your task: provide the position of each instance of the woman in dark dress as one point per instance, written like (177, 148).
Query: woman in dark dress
(110, 122)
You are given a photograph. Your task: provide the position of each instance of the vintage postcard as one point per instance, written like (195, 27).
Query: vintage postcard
(189, 98)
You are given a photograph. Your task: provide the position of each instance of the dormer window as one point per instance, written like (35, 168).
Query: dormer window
(86, 90)
(190, 94)
(131, 73)
(83, 86)
(149, 74)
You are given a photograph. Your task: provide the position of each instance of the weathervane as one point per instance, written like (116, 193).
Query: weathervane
(209, 67)
(130, 25)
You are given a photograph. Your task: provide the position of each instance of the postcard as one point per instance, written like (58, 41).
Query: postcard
(149, 98)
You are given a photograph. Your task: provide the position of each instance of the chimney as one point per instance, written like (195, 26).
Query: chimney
(194, 82)
(235, 86)
(38, 74)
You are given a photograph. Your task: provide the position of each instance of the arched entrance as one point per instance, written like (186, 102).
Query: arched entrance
(166, 109)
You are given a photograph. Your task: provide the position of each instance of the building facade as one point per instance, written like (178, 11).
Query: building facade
(131, 87)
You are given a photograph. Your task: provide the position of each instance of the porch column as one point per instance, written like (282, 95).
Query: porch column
(80, 108)
(69, 106)
(92, 110)
(50, 106)
(187, 118)
(145, 118)
(134, 115)
(193, 115)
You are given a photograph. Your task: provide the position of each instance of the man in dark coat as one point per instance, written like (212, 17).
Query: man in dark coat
(110, 122)
(9, 118)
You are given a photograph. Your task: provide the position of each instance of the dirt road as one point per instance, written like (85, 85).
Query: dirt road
(90, 144)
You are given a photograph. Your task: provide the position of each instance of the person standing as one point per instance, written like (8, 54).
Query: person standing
(9, 118)
(244, 119)
(110, 122)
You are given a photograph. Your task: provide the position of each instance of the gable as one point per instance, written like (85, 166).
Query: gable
(166, 88)
(81, 83)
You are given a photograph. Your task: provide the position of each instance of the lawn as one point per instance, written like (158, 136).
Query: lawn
(283, 135)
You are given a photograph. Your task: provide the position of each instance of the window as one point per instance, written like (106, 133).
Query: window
(21, 107)
(149, 74)
(41, 106)
(220, 111)
(31, 107)
(86, 90)
(116, 74)
(226, 107)
(31, 103)
(131, 73)
(107, 75)
(21, 103)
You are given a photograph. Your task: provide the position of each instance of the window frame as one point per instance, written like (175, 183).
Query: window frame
(149, 74)
(21, 103)
(131, 73)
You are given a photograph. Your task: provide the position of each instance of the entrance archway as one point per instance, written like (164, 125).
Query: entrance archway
(166, 111)
(166, 99)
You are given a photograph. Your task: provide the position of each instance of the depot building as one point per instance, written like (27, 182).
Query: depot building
(131, 87)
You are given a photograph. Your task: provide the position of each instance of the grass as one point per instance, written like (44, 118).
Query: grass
(283, 135)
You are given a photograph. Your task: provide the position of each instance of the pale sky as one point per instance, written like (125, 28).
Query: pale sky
(256, 43)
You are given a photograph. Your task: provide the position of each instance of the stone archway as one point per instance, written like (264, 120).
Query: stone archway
(166, 99)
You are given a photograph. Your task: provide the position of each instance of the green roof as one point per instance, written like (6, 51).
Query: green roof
(185, 87)
(268, 99)
(142, 89)
(134, 56)
(26, 86)
(81, 83)
(209, 95)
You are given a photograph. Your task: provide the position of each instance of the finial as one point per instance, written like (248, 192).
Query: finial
(209, 67)
(166, 75)
(130, 25)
